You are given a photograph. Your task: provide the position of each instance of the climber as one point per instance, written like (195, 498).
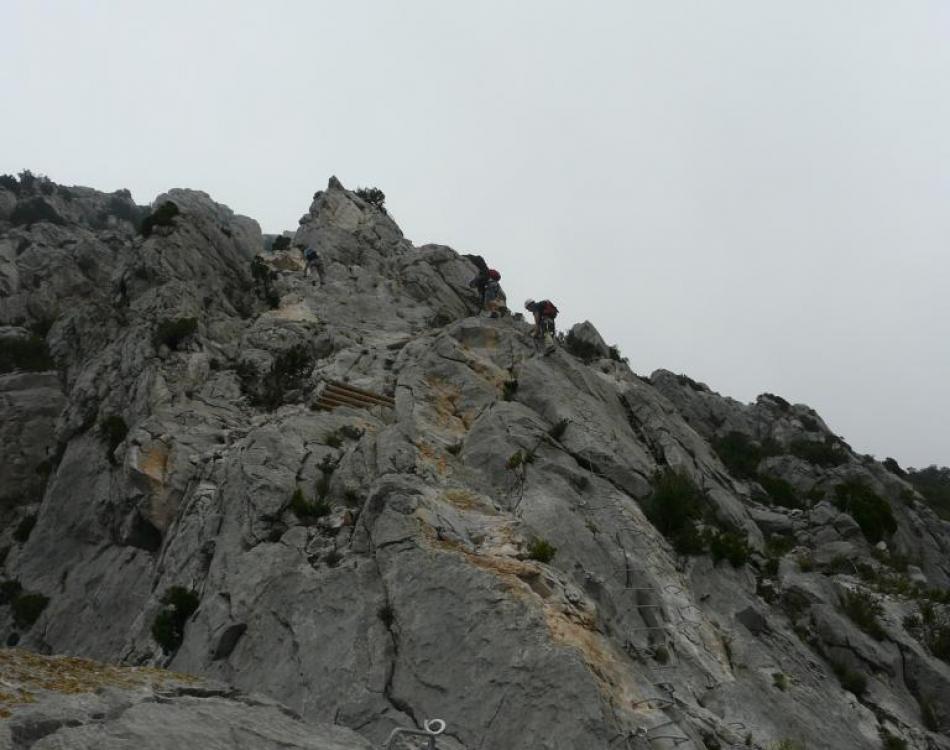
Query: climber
(313, 262)
(544, 314)
(494, 301)
(481, 279)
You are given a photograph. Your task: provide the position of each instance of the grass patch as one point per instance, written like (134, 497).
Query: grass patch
(864, 610)
(306, 510)
(728, 545)
(780, 492)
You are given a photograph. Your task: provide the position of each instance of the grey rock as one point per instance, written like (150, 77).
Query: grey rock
(410, 582)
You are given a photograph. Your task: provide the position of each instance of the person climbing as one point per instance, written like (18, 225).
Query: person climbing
(544, 314)
(481, 278)
(313, 263)
(493, 296)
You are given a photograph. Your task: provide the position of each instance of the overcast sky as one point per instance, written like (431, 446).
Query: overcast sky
(752, 193)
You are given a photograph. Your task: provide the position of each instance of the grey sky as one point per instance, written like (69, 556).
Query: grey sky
(753, 193)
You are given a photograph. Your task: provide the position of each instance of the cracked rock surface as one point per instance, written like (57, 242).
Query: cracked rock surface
(479, 552)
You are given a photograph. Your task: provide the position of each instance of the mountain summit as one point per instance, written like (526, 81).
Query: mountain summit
(354, 494)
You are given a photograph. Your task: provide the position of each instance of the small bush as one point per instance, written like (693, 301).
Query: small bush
(933, 484)
(853, 682)
(728, 545)
(287, 373)
(27, 609)
(827, 453)
(172, 333)
(614, 353)
(34, 210)
(113, 430)
(24, 528)
(163, 216)
(558, 429)
(306, 510)
(890, 742)
(583, 350)
(780, 681)
(29, 354)
(168, 628)
(515, 460)
(280, 243)
(9, 590)
(509, 390)
(350, 432)
(872, 512)
(780, 492)
(334, 440)
(673, 508)
(9, 182)
(864, 611)
(541, 550)
(374, 196)
(741, 454)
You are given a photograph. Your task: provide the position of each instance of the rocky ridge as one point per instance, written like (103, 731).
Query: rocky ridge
(488, 551)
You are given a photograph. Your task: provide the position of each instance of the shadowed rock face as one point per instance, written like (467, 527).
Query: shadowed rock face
(407, 579)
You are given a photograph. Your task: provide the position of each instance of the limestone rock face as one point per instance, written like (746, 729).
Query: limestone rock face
(466, 536)
(75, 704)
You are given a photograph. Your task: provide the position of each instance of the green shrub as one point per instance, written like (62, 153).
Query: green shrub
(864, 610)
(853, 682)
(163, 216)
(334, 440)
(27, 609)
(933, 484)
(541, 550)
(788, 744)
(374, 196)
(113, 430)
(264, 279)
(780, 681)
(168, 628)
(9, 590)
(558, 429)
(350, 432)
(674, 507)
(509, 390)
(34, 210)
(661, 654)
(741, 454)
(890, 742)
(515, 460)
(728, 545)
(780, 491)
(872, 512)
(826, 453)
(688, 382)
(23, 529)
(29, 354)
(306, 510)
(583, 350)
(614, 353)
(287, 372)
(9, 182)
(280, 243)
(172, 333)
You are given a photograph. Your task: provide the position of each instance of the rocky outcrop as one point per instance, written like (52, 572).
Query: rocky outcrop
(74, 704)
(476, 546)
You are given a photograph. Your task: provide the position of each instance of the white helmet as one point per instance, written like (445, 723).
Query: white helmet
(528, 302)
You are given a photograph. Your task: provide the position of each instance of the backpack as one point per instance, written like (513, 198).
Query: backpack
(494, 275)
(548, 310)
